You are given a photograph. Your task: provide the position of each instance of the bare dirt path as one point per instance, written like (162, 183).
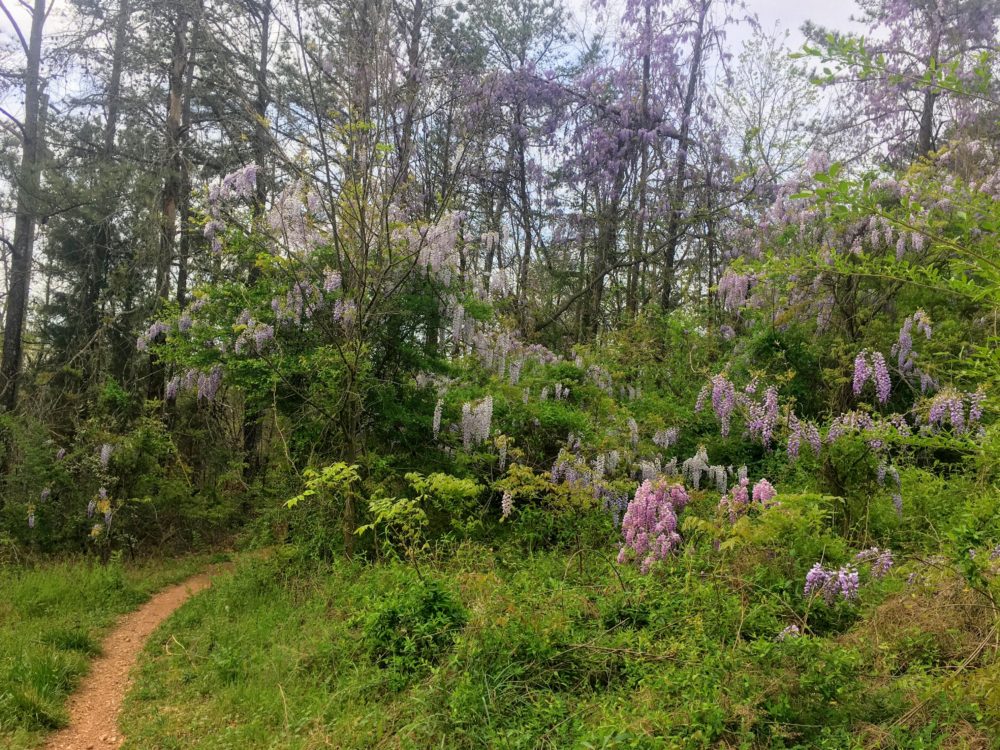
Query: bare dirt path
(95, 706)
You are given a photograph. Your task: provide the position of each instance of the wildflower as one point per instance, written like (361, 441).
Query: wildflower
(843, 582)
(172, 387)
(650, 523)
(816, 579)
(331, 281)
(476, 422)
(723, 401)
(106, 450)
(881, 560)
(665, 438)
(633, 431)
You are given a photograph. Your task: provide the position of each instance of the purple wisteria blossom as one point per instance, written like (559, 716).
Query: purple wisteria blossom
(790, 631)
(881, 561)
(883, 385)
(862, 372)
(650, 523)
(764, 493)
(476, 422)
(831, 584)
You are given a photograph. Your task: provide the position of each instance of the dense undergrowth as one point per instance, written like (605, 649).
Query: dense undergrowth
(502, 646)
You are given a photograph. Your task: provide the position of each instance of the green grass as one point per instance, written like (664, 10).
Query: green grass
(552, 652)
(52, 618)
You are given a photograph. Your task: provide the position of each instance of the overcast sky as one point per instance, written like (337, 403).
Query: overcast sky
(791, 14)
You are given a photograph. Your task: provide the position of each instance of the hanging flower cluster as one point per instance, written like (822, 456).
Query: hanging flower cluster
(697, 466)
(205, 384)
(649, 526)
(844, 582)
(235, 186)
(948, 409)
(903, 348)
(506, 505)
(883, 471)
(477, 420)
(253, 333)
(831, 584)
(762, 416)
(665, 438)
(799, 431)
(150, 335)
(739, 499)
(877, 371)
(723, 400)
(881, 561)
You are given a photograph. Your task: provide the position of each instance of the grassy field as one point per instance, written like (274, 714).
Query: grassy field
(52, 617)
(499, 647)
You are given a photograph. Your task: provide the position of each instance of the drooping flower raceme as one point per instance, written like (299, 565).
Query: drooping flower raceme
(798, 431)
(476, 422)
(506, 505)
(724, 400)
(665, 438)
(883, 385)
(831, 584)
(791, 631)
(649, 526)
(880, 559)
(436, 425)
(764, 492)
(861, 372)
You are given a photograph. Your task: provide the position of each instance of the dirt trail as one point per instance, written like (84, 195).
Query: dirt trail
(95, 706)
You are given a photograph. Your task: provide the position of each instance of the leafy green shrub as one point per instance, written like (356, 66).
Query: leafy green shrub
(326, 522)
(412, 629)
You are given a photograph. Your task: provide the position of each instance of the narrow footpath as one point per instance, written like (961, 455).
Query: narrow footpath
(97, 703)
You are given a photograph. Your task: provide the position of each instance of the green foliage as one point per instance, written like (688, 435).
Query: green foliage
(325, 522)
(412, 629)
(51, 620)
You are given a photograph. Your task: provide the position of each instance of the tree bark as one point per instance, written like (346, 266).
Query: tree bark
(26, 216)
(677, 193)
(173, 181)
(253, 413)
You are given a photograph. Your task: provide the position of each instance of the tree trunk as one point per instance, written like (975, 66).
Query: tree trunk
(253, 414)
(526, 223)
(925, 137)
(411, 89)
(173, 181)
(96, 279)
(638, 245)
(26, 216)
(677, 193)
